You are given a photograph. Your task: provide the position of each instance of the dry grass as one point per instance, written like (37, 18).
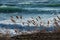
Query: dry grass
(34, 36)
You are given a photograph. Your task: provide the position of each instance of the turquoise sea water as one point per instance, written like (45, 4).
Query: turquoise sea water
(47, 9)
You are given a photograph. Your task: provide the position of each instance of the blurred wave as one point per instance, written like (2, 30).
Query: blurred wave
(17, 9)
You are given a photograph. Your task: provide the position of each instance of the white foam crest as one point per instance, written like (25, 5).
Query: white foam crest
(46, 9)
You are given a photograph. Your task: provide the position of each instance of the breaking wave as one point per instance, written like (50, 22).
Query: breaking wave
(17, 9)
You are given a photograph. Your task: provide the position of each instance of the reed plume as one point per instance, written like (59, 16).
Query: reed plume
(13, 20)
(28, 21)
(55, 19)
(17, 17)
(36, 19)
(16, 29)
(20, 17)
(58, 17)
(48, 23)
(39, 17)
